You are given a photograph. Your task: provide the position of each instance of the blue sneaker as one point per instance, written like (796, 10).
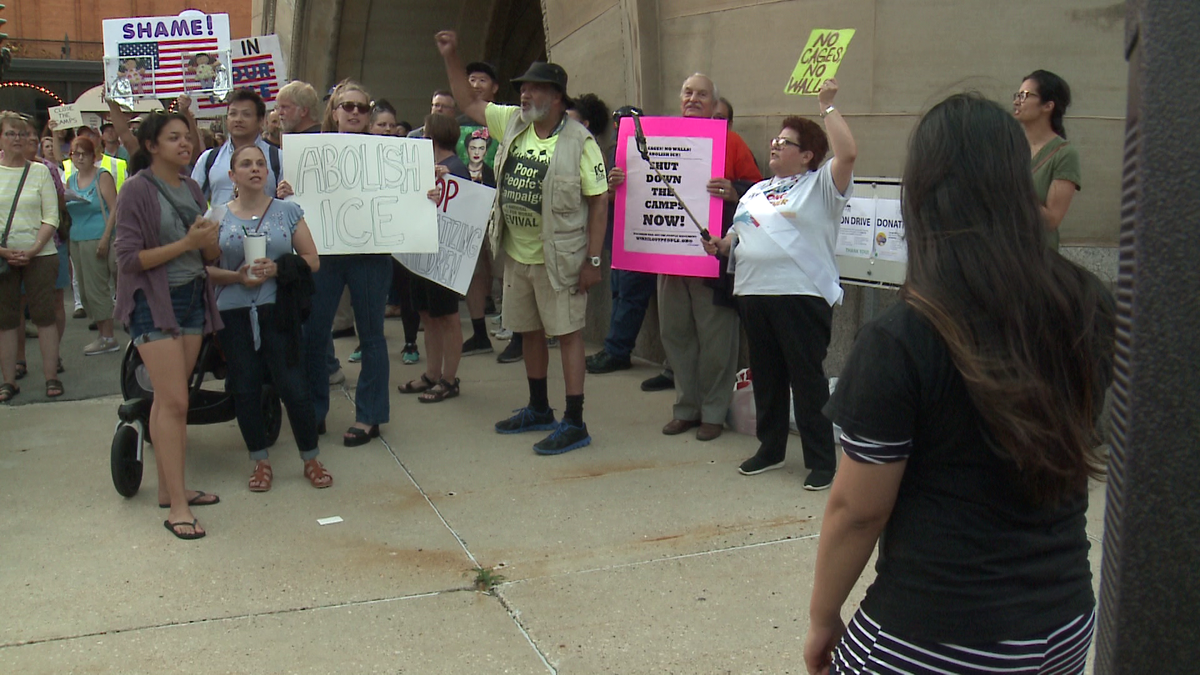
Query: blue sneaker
(356, 355)
(527, 419)
(566, 437)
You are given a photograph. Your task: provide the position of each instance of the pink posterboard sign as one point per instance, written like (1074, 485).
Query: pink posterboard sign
(651, 231)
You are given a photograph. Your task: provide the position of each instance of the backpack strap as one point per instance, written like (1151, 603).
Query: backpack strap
(273, 158)
(210, 158)
(13, 211)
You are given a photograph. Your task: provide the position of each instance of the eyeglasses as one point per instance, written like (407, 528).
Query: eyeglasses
(1020, 96)
(81, 155)
(16, 134)
(779, 143)
(353, 106)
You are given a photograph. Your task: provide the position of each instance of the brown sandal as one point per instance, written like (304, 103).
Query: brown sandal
(317, 475)
(441, 392)
(54, 388)
(260, 480)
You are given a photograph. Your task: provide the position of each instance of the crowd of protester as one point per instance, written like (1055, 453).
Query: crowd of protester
(966, 412)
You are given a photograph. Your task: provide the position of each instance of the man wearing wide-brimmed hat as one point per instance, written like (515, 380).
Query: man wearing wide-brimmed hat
(549, 216)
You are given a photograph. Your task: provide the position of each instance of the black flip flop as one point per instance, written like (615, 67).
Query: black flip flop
(194, 501)
(22, 370)
(356, 437)
(195, 533)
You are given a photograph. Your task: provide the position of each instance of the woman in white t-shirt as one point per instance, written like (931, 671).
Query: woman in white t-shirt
(786, 281)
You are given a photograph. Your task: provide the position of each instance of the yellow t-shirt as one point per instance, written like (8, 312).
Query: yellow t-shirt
(38, 205)
(521, 185)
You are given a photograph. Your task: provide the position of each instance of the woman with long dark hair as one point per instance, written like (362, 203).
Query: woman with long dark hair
(164, 297)
(968, 414)
(252, 306)
(1040, 105)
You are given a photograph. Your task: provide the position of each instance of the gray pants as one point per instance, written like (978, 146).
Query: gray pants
(701, 341)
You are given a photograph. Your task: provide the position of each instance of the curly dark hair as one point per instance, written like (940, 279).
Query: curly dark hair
(594, 112)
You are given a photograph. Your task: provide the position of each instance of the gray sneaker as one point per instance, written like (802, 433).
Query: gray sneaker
(101, 345)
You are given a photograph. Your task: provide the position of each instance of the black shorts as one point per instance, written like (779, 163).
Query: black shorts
(432, 298)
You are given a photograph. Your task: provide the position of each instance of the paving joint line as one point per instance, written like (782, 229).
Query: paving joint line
(238, 617)
(513, 614)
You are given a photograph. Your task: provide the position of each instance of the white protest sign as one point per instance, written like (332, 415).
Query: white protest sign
(363, 193)
(156, 56)
(889, 231)
(857, 228)
(462, 222)
(66, 116)
(258, 64)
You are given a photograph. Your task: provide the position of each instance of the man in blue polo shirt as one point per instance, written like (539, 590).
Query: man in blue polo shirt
(243, 121)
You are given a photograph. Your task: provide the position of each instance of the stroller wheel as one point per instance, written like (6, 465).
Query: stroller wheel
(126, 467)
(272, 412)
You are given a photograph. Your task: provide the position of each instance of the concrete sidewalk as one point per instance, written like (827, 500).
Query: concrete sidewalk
(638, 554)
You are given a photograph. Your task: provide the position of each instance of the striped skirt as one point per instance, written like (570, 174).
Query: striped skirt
(868, 648)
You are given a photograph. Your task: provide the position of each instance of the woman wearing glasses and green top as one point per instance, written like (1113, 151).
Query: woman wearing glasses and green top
(1040, 106)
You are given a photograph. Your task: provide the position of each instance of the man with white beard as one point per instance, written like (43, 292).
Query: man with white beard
(549, 215)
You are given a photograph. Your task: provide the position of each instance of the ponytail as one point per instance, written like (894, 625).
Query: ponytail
(1053, 89)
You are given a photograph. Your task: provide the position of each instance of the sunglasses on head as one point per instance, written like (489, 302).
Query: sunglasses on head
(352, 106)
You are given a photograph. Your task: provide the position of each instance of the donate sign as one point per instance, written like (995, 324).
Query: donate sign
(362, 193)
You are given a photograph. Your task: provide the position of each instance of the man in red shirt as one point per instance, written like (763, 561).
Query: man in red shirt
(697, 317)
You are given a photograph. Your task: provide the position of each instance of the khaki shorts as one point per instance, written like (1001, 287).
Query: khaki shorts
(97, 278)
(531, 303)
(38, 276)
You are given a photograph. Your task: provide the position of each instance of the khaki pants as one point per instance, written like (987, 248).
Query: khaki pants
(97, 278)
(701, 341)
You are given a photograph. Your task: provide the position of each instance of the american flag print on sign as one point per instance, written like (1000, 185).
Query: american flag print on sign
(158, 44)
(256, 64)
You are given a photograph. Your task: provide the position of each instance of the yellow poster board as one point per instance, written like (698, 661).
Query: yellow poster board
(823, 53)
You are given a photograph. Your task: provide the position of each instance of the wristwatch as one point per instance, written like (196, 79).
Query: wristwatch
(827, 111)
(594, 260)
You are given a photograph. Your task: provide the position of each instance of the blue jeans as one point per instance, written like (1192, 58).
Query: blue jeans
(368, 277)
(187, 301)
(631, 293)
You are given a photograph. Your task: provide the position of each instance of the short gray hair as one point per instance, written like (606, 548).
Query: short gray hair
(302, 95)
(715, 94)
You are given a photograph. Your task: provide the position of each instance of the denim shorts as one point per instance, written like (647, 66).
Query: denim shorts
(188, 302)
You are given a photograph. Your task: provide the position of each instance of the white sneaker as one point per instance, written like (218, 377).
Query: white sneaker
(502, 334)
(101, 345)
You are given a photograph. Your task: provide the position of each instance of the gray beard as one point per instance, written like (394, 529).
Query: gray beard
(534, 114)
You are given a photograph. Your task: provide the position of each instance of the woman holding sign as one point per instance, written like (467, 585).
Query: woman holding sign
(368, 276)
(258, 236)
(438, 305)
(968, 414)
(786, 278)
(163, 295)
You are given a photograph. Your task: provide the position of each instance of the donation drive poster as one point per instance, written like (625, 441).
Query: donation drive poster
(162, 57)
(363, 193)
(258, 64)
(462, 217)
(652, 231)
(872, 228)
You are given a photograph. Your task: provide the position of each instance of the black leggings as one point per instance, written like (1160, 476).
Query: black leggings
(401, 296)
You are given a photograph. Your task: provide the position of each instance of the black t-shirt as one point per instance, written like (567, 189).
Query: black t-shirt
(966, 557)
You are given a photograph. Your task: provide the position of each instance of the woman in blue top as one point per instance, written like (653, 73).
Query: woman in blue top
(94, 258)
(252, 340)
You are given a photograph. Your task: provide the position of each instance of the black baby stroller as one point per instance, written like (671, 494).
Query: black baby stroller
(205, 406)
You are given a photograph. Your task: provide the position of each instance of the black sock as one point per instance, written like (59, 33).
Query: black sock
(574, 411)
(479, 327)
(539, 401)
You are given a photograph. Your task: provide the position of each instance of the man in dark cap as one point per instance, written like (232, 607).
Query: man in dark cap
(549, 216)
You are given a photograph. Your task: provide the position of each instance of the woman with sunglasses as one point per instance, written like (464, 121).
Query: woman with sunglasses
(164, 297)
(93, 217)
(1039, 106)
(254, 303)
(786, 281)
(968, 413)
(29, 207)
(368, 276)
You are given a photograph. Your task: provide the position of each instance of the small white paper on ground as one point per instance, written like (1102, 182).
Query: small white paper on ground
(329, 521)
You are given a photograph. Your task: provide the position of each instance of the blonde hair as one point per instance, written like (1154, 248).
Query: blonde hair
(302, 94)
(16, 121)
(329, 123)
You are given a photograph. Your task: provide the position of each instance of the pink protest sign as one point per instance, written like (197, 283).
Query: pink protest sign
(652, 232)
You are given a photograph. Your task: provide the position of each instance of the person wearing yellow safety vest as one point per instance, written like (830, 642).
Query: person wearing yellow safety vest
(115, 166)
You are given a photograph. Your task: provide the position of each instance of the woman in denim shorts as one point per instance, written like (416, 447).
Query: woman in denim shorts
(164, 297)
